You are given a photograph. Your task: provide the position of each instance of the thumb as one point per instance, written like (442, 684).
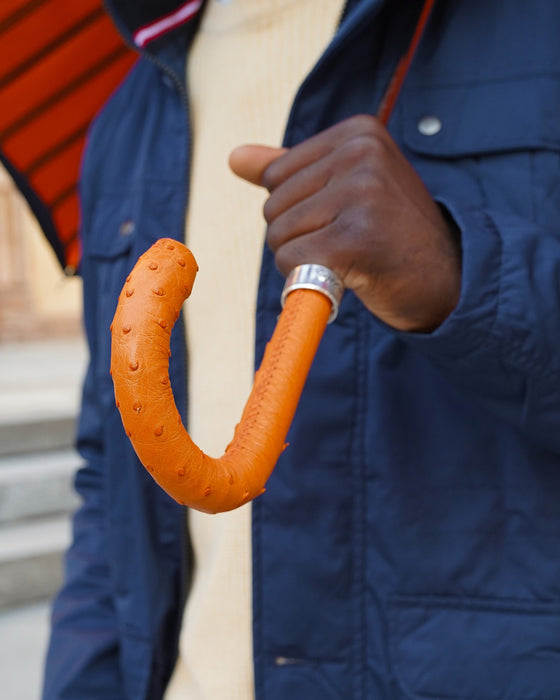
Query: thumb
(250, 161)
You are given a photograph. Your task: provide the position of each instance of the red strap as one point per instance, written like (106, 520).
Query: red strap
(397, 79)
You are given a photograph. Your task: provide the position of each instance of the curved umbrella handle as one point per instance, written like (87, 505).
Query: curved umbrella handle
(148, 307)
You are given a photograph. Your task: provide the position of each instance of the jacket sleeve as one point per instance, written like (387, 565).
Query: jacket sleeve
(501, 344)
(83, 654)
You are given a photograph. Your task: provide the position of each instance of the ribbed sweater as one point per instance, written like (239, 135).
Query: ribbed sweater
(245, 67)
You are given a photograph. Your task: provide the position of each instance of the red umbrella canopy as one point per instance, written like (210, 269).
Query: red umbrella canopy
(59, 62)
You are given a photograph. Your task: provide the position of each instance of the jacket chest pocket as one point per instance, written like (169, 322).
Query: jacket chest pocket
(118, 228)
(494, 145)
(109, 233)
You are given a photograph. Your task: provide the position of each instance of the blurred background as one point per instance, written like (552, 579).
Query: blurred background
(59, 62)
(42, 362)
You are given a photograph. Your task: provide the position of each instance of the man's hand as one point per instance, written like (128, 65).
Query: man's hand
(348, 199)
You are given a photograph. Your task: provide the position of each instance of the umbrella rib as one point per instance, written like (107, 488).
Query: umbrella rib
(44, 106)
(56, 149)
(19, 14)
(40, 55)
(63, 196)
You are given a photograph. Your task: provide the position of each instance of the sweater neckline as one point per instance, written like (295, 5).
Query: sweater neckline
(230, 15)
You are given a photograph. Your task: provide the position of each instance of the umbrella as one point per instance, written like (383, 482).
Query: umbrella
(59, 62)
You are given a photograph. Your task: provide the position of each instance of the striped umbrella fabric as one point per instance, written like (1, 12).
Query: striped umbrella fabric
(59, 62)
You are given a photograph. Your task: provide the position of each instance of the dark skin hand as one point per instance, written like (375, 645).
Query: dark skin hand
(348, 199)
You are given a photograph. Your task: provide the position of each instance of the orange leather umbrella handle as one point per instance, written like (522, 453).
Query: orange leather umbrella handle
(148, 307)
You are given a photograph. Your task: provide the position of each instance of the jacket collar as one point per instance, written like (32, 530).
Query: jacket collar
(143, 22)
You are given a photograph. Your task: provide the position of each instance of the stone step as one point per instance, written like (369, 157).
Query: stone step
(37, 485)
(40, 386)
(23, 643)
(31, 560)
(35, 433)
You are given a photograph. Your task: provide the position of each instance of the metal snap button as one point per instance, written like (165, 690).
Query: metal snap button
(429, 126)
(127, 227)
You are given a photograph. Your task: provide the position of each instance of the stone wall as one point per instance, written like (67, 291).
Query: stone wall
(37, 301)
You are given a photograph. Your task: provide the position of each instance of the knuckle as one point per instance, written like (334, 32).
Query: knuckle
(274, 236)
(287, 257)
(354, 223)
(366, 183)
(269, 178)
(362, 123)
(283, 262)
(363, 150)
(269, 210)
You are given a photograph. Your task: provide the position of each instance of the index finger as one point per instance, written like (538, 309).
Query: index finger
(317, 147)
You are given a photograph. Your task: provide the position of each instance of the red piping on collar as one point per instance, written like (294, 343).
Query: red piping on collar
(161, 26)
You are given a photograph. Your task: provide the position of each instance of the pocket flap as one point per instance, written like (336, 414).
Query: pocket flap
(476, 649)
(111, 228)
(508, 115)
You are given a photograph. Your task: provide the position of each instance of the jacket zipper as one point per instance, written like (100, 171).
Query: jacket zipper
(187, 553)
(155, 60)
(181, 89)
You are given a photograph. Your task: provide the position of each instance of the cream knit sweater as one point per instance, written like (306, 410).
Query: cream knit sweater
(246, 64)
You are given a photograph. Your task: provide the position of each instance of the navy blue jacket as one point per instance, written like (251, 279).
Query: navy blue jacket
(408, 544)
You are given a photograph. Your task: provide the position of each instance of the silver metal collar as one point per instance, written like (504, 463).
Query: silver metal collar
(319, 278)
